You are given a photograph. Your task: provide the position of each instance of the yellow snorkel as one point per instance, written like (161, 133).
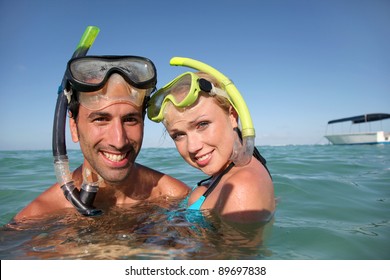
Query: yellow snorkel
(242, 153)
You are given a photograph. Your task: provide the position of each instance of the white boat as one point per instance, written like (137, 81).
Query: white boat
(367, 137)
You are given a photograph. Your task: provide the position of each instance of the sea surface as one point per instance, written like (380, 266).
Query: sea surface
(333, 203)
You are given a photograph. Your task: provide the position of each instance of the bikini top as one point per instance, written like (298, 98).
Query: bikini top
(198, 204)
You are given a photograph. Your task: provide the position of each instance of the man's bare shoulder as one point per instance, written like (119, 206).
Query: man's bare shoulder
(166, 184)
(50, 200)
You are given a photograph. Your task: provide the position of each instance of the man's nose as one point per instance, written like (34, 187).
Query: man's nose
(117, 134)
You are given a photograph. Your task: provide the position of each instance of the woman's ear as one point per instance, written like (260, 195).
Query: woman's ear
(233, 115)
(73, 130)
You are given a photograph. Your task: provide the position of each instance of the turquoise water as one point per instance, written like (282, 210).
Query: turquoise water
(333, 203)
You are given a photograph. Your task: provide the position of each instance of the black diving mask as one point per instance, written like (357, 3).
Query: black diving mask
(90, 73)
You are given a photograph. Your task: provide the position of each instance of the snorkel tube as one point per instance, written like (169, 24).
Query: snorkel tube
(81, 200)
(242, 152)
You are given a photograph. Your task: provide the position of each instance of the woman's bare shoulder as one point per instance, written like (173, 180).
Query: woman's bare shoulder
(248, 194)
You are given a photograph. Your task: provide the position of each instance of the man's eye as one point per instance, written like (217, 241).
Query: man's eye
(100, 119)
(131, 120)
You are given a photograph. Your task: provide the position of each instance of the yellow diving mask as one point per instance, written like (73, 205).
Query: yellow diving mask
(182, 91)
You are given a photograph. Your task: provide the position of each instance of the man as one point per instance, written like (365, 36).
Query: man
(108, 96)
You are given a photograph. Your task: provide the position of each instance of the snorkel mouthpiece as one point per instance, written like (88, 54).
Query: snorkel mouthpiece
(243, 149)
(81, 200)
(89, 187)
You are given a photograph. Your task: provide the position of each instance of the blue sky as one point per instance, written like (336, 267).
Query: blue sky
(297, 63)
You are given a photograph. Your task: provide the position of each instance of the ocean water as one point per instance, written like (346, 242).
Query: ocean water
(333, 203)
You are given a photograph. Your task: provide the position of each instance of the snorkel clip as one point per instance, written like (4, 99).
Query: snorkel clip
(68, 94)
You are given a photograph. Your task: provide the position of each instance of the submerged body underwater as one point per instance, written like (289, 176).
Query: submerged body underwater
(332, 203)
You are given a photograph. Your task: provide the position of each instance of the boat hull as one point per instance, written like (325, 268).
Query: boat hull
(379, 137)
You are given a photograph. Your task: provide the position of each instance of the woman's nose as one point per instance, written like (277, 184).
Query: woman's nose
(194, 143)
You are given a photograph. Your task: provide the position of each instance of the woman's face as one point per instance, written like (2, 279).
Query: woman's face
(203, 134)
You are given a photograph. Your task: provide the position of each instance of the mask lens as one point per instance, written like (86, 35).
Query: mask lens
(181, 88)
(90, 73)
(137, 70)
(176, 92)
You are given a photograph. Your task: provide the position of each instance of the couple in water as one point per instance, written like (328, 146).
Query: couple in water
(108, 98)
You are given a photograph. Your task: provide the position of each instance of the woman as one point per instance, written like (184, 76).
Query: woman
(200, 118)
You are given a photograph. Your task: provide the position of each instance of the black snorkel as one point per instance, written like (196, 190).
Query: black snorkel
(82, 200)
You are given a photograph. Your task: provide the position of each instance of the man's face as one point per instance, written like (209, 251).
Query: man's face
(110, 138)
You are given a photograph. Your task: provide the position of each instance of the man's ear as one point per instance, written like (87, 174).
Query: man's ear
(73, 130)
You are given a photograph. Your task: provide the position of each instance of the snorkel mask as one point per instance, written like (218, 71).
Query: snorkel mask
(87, 75)
(183, 91)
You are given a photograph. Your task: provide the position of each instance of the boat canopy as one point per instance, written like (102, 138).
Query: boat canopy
(363, 118)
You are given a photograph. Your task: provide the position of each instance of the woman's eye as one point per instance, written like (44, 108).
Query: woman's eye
(177, 136)
(203, 124)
